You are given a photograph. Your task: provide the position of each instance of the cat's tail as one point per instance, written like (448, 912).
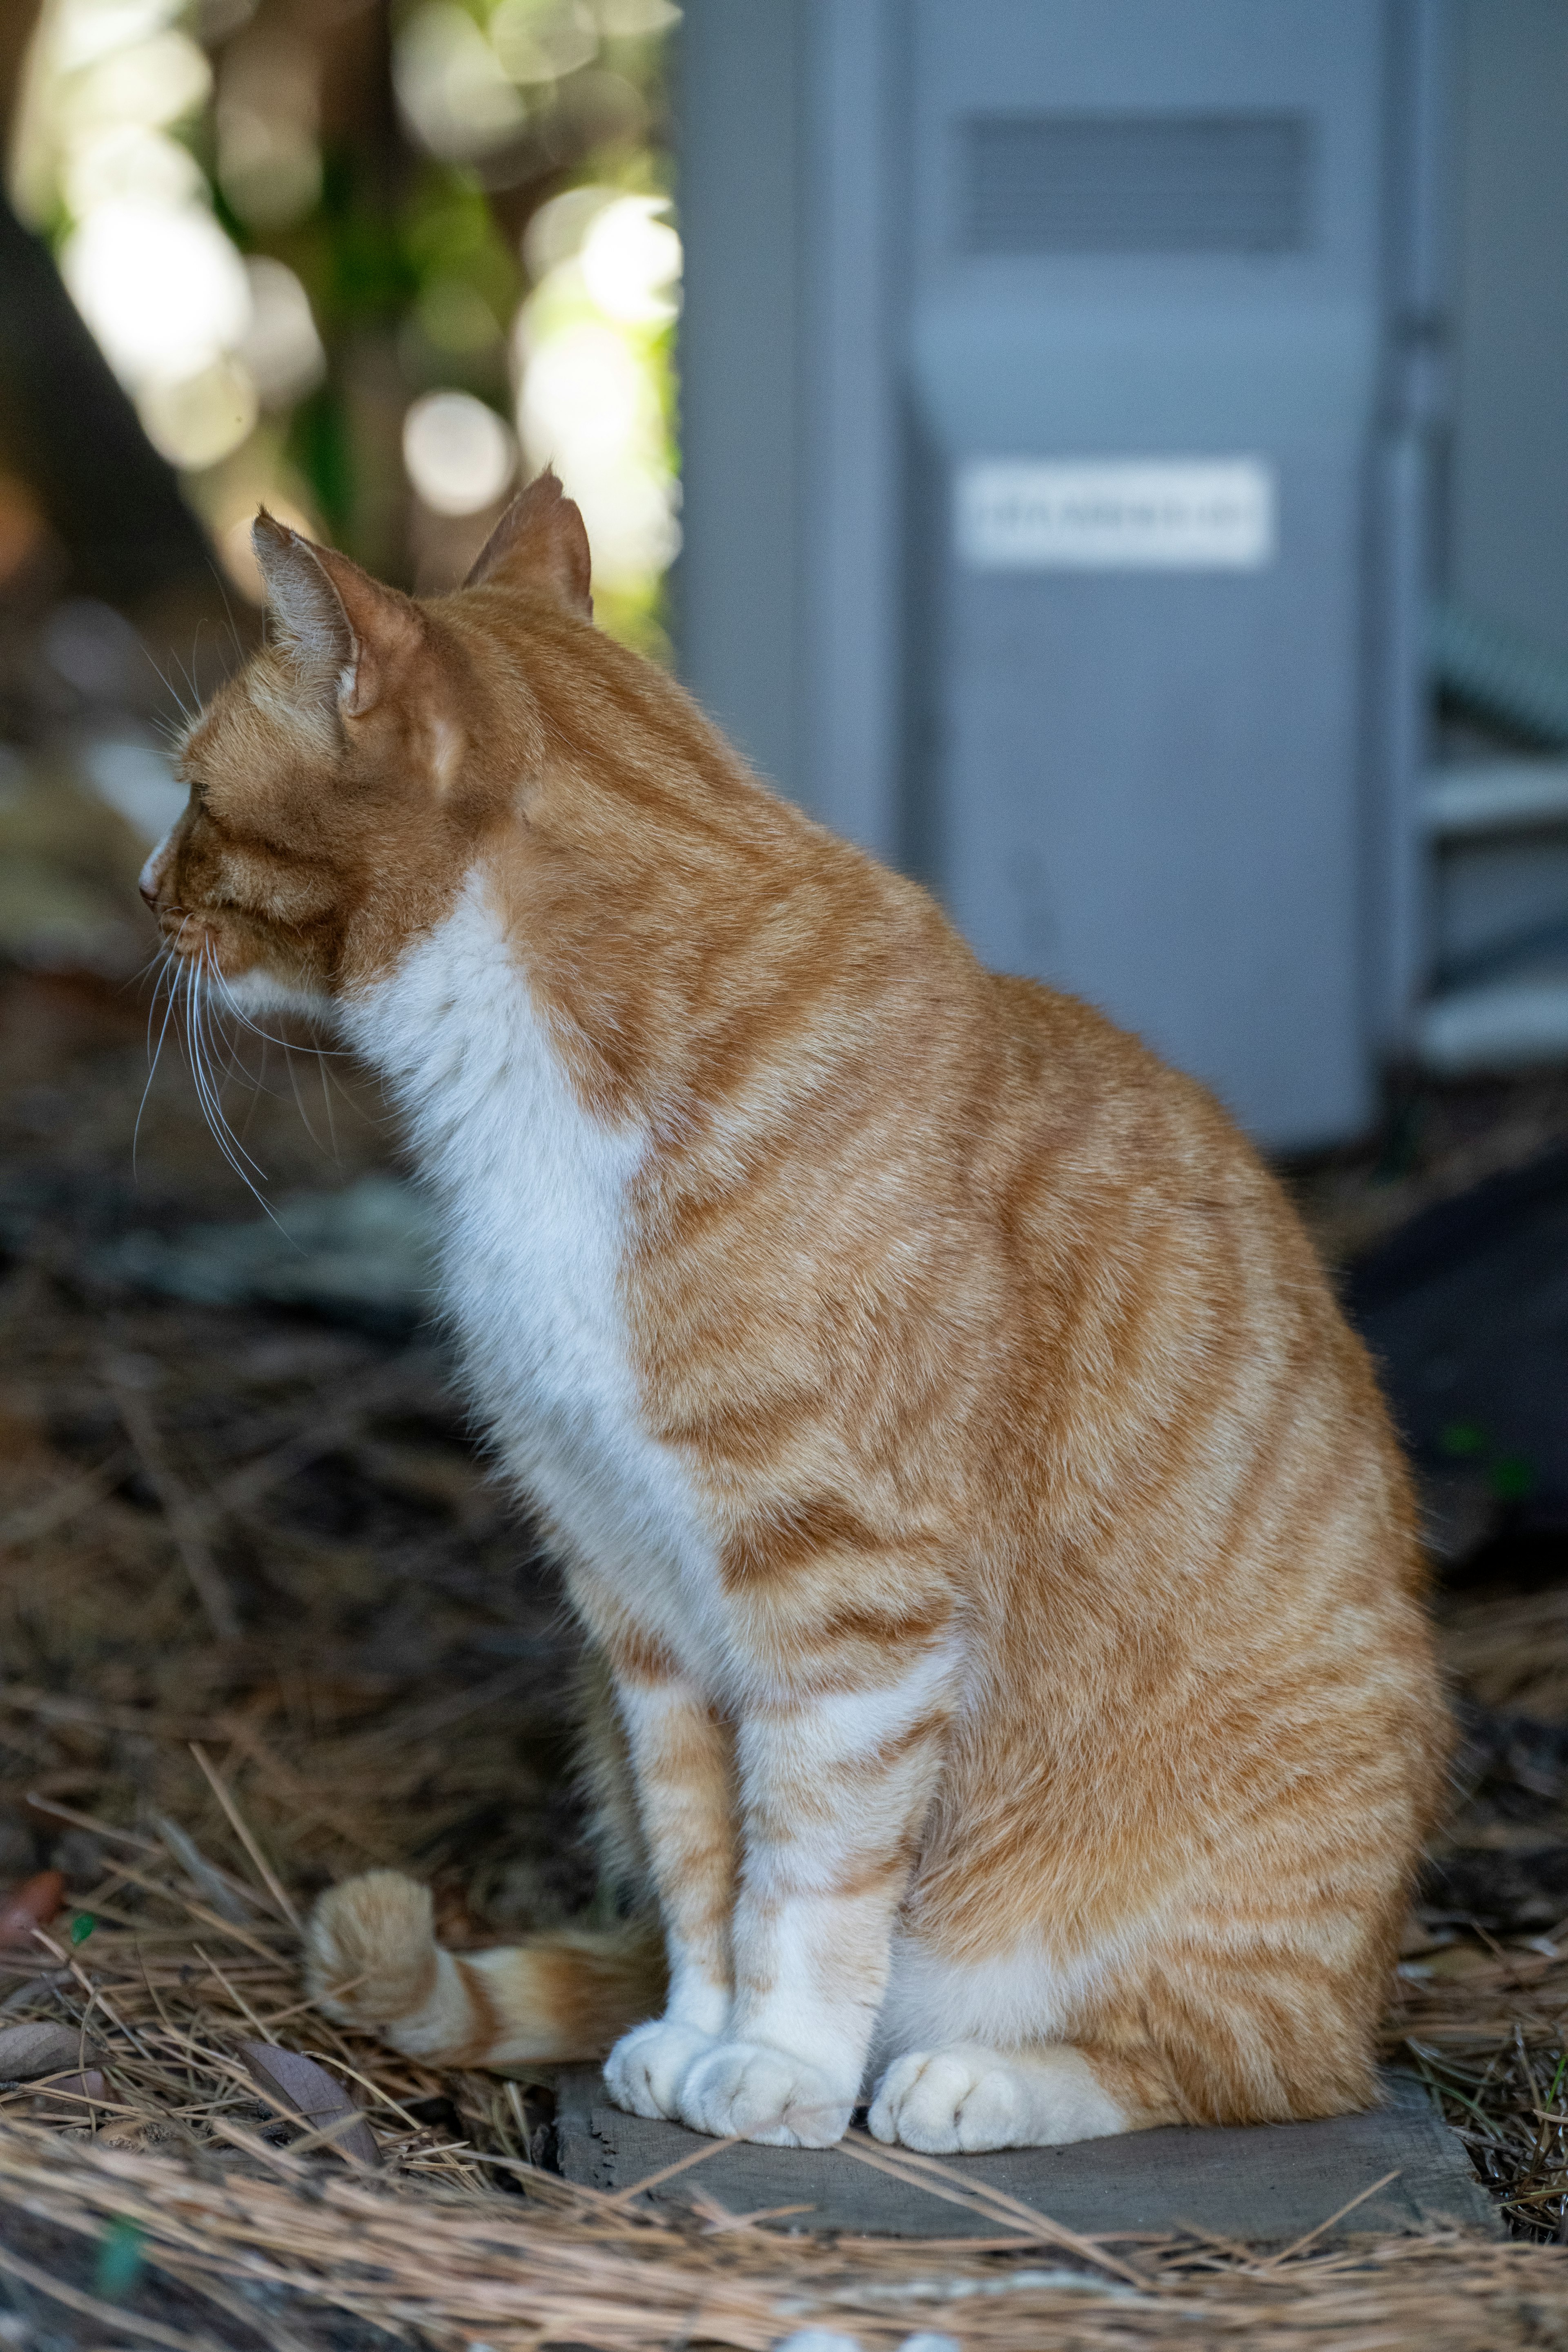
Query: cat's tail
(372, 1961)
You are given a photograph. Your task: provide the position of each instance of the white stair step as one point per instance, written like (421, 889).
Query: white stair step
(1511, 1024)
(1466, 804)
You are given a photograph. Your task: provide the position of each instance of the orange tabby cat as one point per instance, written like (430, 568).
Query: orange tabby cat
(1016, 1695)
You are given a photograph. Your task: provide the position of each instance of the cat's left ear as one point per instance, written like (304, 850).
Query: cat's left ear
(539, 544)
(349, 637)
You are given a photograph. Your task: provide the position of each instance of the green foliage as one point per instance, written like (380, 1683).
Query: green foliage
(1462, 1441)
(1510, 1477)
(121, 2260)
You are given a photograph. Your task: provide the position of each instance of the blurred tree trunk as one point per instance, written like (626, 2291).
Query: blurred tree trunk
(17, 18)
(68, 429)
(65, 426)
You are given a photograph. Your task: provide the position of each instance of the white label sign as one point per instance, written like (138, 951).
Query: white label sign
(1136, 515)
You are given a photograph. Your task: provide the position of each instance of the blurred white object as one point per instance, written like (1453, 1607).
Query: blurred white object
(555, 232)
(537, 43)
(589, 408)
(95, 649)
(160, 287)
(459, 453)
(281, 346)
(200, 418)
(364, 1254)
(456, 97)
(631, 260)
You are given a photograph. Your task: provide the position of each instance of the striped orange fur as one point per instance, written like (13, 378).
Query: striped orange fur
(1014, 1698)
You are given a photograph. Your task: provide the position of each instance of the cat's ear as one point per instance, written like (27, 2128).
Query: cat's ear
(540, 543)
(347, 635)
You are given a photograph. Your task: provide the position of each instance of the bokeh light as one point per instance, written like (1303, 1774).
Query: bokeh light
(366, 353)
(281, 346)
(194, 420)
(161, 286)
(631, 261)
(456, 95)
(267, 125)
(159, 280)
(459, 455)
(594, 376)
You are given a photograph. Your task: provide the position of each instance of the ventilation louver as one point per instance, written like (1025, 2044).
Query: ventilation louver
(1137, 182)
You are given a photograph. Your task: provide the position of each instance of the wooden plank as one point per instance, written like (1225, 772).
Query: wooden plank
(1268, 2184)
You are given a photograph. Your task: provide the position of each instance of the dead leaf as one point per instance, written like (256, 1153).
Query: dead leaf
(32, 1904)
(70, 2100)
(308, 2091)
(28, 2051)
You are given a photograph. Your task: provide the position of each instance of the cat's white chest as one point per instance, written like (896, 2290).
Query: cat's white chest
(533, 1200)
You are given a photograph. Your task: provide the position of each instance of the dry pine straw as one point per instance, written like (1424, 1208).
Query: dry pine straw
(430, 2247)
(396, 1697)
(192, 1952)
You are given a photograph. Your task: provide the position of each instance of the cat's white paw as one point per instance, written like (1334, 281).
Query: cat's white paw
(750, 2090)
(645, 2070)
(961, 2100)
(944, 2101)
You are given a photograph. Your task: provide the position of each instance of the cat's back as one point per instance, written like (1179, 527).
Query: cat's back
(1169, 1327)
(1093, 1150)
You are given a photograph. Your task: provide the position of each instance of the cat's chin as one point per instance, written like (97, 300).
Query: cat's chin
(257, 991)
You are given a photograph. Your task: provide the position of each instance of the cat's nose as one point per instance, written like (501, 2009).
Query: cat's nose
(152, 873)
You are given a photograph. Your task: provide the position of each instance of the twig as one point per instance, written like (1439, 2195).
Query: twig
(667, 2172)
(1300, 2244)
(244, 1487)
(179, 1511)
(242, 1832)
(55, 1509)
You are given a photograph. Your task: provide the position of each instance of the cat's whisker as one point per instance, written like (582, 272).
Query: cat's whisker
(187, 669)
(167, 976)
(171, 689)
(201, 1018)
(207, 1095)
(228, 609)
(150, 964)
(222, 1036)
(234, 1011)
(327, 1108)
(300, 1099)
(233, 1006)
(258, 1087)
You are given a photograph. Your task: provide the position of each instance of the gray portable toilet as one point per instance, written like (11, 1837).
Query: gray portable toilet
(1059, 391)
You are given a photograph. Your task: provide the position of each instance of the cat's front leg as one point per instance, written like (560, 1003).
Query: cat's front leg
(682, 1759)
(835, 1784)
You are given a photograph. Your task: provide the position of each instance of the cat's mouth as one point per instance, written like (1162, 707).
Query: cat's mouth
(208, 953)
(190, 937)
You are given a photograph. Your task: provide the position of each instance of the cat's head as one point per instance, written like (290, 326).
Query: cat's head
(343, 784)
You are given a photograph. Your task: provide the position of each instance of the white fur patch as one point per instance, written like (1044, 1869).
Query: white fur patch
(1009, 2001)
(533, 1193)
